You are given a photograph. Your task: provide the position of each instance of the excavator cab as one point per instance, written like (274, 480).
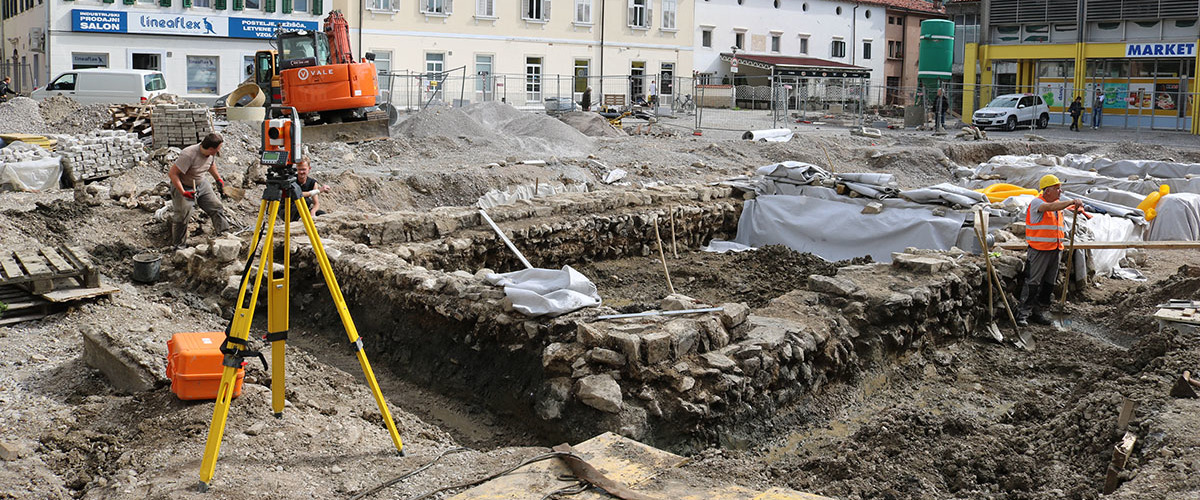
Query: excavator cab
(301, 49)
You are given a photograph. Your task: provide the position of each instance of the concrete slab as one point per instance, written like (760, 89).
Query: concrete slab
(620, 459)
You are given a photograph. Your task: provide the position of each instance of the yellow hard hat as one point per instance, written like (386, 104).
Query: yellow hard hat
(1047, 181)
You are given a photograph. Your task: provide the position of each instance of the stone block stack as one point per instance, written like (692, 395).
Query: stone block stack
(99, 154)
(179, 127)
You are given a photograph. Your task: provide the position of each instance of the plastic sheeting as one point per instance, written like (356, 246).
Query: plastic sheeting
(945, 193)
(1178, 218)
(769, 135)
(835, 229)
(34, 175)
(547, 292)
(1028, 173)
(1126, 168)
(495, 198)
(784, 177)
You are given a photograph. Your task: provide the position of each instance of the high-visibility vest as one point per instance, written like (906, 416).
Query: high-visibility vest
(1047, 234)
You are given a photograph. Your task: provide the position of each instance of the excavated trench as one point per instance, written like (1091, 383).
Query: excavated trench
(791, 325)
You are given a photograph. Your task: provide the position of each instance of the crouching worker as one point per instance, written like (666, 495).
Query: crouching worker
(188, 188)
(1044, 233)
(309, 189)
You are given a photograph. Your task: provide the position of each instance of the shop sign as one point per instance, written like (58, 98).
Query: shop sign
(149, 23)
(1187, 49)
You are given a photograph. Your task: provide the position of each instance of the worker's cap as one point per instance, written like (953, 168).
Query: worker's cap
(1047, 181)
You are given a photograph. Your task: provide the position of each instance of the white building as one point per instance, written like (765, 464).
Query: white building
(806, 39)
(203, 47)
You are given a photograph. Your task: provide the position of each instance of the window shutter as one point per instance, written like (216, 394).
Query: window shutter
(318, 7)
(545, 10)
(286, 8)
(649, 14)
(525, 14)
(130, 2)
(239, 4)
(632, 14)
(164, 3)
(187, 4)
(219, 4)
(481, 7)
(449, 6)
(268, 5)
(108, 1)
(423, 6)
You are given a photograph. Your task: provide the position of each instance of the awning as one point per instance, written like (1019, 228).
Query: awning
(807, 67)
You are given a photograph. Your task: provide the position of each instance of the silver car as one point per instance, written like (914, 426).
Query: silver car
(1011, 110)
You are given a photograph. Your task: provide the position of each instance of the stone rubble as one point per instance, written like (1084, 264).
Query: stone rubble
(100, 154)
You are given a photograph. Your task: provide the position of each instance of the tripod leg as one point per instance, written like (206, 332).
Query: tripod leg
(239, 329)
(277, 314)
(258, 224)
(347, 322)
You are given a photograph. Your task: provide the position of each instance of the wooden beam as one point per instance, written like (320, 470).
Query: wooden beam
(1114, 245)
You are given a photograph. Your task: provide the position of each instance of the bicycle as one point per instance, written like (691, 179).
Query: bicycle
(686, 104)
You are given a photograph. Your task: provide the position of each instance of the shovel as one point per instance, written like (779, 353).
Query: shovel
(1059, 316)
(981, 230)
(1185, 386)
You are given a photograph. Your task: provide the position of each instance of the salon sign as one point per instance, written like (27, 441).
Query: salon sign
(1186, 49)
(153, 23)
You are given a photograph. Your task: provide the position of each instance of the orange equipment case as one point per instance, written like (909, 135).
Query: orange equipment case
(194, 365)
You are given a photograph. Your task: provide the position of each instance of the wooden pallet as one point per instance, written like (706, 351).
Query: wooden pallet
(22, 305)
(37, 270)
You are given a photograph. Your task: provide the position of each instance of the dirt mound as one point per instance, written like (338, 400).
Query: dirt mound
(83, 120)
(55, 108)
(591, 124)
(21, 115)
(533, 132)
(442, 122)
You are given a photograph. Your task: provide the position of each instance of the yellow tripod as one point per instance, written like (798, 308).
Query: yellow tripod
(281, 189)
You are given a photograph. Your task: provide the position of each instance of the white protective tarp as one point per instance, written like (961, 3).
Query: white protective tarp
(537, 292)
(1126, 168)
(1025, 171)
(833, 227)
(32, 175)
(768, 135)
(1101, 227)
(1178, 218)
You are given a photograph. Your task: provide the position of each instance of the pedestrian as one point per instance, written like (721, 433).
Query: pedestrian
(585, 102)
(653, 100)
(1076, 111)
(188, 188)
(6, 88)
(1044, 234)
(309, 189)
(1097, 109)
(941, 105)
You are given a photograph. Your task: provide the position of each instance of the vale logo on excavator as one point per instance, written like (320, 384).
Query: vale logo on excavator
(304, 73)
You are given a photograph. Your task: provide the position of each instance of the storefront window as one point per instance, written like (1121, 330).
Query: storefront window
(202, 74)
(1141, 68)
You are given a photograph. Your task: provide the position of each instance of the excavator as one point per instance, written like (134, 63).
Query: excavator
(315, 73)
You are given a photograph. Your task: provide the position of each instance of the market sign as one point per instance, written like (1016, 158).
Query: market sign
(150, 23)
(1186, 49)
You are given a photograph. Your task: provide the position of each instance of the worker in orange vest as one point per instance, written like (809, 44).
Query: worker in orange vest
(1045, 234)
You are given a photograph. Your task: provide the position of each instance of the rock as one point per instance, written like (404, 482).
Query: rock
(256, 428)
(10, 451)
(872, 208)
(555, 394)
(558, 357)
(600, 392)
(684, 383)
(684, 337)
(677, 302)
(589, 335)
(606, 356)
(658, 347)
(718, 360)
(832, 285)
(734, 314)
(226, 249)
(122, 371)
(629, 344)
(921, 264)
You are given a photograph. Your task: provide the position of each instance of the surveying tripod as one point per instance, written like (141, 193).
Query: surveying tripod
(281, 150)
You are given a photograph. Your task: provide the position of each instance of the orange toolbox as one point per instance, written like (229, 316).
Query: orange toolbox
(194, 365)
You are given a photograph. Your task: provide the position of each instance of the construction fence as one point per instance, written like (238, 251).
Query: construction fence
(21, 74)
(775, 102)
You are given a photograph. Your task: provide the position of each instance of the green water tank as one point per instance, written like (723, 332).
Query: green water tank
(936, 52)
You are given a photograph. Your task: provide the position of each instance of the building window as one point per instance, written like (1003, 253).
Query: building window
(837, 49)
(253, 5)
(583, 11)
(485, 8)
(867, 13)
(435, 62)
(435, 7)
(202, 3)
(706, 38)
(483, 70)
(739, 40)
(666, 77)
(895, 50)
(866, 50)
(297, 6)
(202, 74)
(668, 17)
(639, 13)
(533, 79)
(383, 61)
(775, 42)
(900, 20)
(804, 45)
(86, 60)
(582, 70)
(804, 7)
(535, 10)
(374, 5)
(838, 10)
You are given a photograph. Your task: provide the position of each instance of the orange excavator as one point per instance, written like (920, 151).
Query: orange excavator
(317, 75)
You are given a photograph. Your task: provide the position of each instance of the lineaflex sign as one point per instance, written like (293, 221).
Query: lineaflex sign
(151, 23)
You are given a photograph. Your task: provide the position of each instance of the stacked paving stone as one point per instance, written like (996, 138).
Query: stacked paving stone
(99, 154)
(179, 127)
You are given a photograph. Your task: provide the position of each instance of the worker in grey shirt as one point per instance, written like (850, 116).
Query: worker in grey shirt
(1044, 234)
(188, 188)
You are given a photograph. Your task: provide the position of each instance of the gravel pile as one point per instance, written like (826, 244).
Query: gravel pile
(21, 115)
(532, 132)
(591, 124)
(443, 122)
(55, 108)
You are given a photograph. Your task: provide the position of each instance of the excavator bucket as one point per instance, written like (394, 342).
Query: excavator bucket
(373, 128)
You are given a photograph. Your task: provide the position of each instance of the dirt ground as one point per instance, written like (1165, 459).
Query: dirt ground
(955, 418)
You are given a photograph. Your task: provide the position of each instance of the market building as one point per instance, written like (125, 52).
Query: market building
(1142, 55)
(204, 48)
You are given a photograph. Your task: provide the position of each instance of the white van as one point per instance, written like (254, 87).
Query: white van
(104, 85)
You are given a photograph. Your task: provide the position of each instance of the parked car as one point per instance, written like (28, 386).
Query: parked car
(105, 85)
(1011, 110)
